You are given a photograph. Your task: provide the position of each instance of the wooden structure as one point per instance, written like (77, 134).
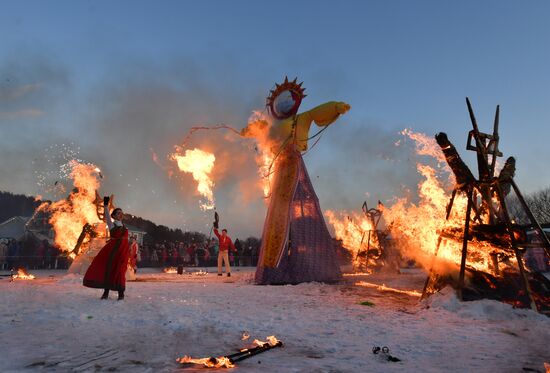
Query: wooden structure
(88, 229)
(370, 247)
(487, 216)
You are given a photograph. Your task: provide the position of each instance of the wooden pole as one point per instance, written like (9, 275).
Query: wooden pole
(85, 230)
(465, 244)
(536, 224)
(496, 139)
(519, 258)
(481, 150)
(494, 153)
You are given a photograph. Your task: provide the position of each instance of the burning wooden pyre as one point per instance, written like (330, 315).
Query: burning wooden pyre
(496, 223)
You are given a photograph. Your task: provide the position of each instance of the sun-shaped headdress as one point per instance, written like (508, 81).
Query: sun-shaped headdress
(284, 101)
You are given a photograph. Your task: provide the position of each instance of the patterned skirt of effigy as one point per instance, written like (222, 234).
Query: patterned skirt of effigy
(296, 245)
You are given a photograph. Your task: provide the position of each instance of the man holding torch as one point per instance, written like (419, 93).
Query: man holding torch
(225, 244)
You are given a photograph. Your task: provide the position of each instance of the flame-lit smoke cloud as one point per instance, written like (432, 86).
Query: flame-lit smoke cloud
(139, 120)
(131, 118)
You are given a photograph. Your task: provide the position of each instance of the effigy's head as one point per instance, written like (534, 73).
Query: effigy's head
(284, 101)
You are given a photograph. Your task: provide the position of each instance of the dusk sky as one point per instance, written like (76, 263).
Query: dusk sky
(115, 81)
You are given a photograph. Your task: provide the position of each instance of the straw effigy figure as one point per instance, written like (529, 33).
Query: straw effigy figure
(296, 245)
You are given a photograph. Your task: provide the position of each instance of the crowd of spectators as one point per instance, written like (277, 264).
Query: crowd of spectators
(44, 255)
(32, 255)
(172, 254)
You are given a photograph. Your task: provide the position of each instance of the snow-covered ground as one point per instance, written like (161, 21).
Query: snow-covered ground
(53, 323)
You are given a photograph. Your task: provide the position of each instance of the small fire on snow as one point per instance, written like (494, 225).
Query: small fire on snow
(412, 293)
(230, 360)
(209, 362)
(271, 340)
(170, 270)
(22, 274)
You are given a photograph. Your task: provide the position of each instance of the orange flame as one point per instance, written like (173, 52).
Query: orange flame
(22, 275)
(223, 361)
(209, 362)
(353, 229)
(412, 293)
(68, 216)
(271, 340)
(425, 145)
(199, 164)
(259, 125)
(416, 226)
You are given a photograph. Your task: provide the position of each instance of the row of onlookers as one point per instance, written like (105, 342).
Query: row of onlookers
(43, 255)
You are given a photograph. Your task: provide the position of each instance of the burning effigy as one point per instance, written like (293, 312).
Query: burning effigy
(296, 245)
(76, 218)
(361, 236)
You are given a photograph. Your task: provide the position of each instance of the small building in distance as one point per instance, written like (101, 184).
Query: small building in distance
(15, 227)
(134, 231)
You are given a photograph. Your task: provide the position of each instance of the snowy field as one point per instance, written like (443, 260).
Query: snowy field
(53, 323)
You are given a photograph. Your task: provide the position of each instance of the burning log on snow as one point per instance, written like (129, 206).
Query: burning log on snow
(412, 293)
(230, 360)
(22, 274)
(209, 362)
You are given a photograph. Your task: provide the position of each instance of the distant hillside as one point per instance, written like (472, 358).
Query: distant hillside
(16, 205)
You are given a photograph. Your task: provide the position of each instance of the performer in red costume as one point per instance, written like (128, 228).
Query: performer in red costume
(108, 269)
(226, 244)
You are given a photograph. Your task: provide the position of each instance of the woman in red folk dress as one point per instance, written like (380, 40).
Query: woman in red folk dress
(108, 269)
